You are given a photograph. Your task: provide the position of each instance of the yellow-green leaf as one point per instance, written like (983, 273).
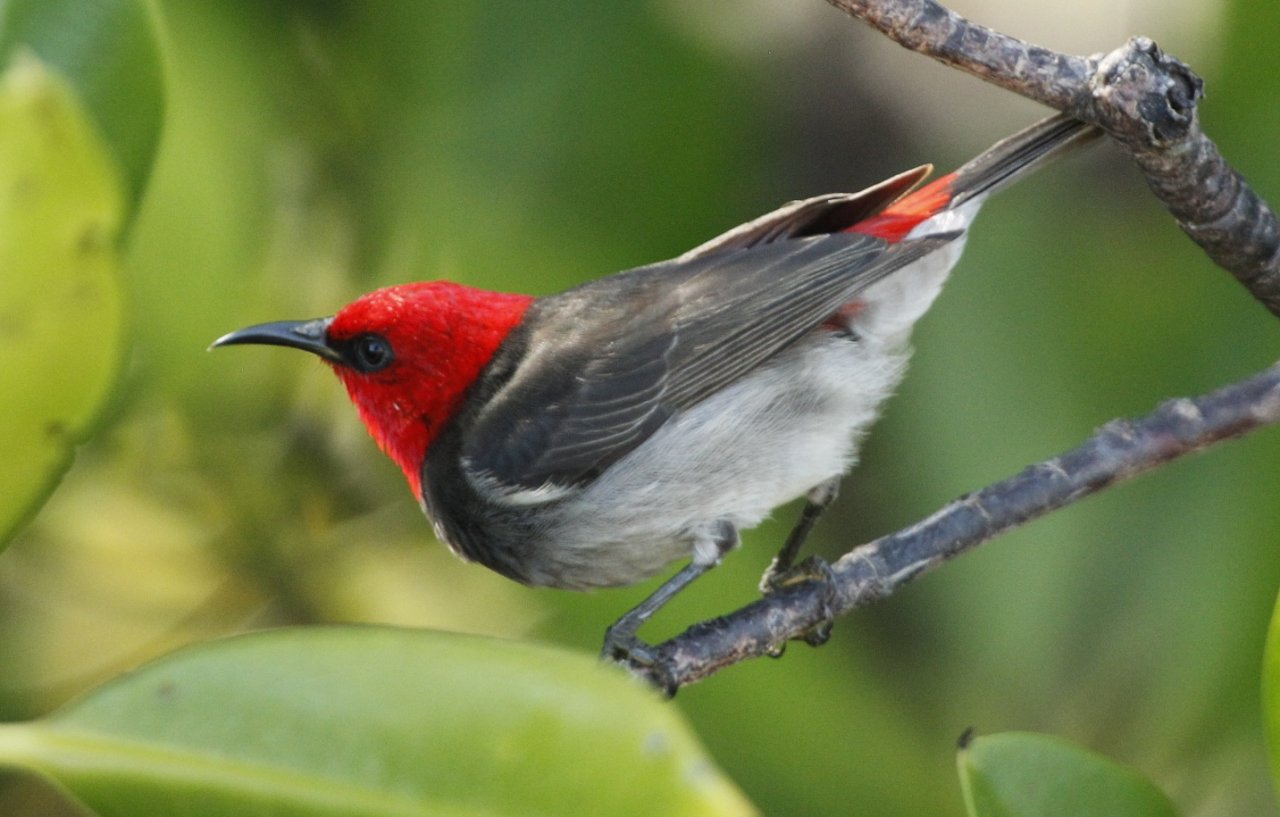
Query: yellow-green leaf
(1271, 691)
(107, 51)
(372, 722)
(60, 299)
(1018, 774)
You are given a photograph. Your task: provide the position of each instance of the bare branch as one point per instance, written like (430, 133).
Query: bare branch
(1118, 451)
(1142, 97)
(1057, 80)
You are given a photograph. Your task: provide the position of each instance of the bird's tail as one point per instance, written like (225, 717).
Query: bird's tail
(1018, 155)
(1002, 164)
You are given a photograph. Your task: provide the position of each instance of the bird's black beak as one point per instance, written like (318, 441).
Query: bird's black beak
(309, 336)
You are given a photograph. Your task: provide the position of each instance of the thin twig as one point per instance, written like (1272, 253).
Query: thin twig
(1057, 80)
(1118, 451)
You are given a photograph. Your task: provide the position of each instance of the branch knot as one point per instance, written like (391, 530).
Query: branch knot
(1144, 97)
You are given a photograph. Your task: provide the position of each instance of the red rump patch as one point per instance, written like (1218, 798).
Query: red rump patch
(901, 217)
(844, 316)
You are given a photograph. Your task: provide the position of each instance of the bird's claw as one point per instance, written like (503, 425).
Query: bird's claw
(624, 648)
(814, 570)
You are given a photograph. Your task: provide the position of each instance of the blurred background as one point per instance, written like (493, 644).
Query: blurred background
(315, 150)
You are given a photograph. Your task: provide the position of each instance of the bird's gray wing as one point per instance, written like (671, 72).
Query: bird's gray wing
(593, 372)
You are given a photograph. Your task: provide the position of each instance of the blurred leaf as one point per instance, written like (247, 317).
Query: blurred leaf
(1271, 691)
(1027, 775)
(107, 50)
(373, 721)
(60, 304)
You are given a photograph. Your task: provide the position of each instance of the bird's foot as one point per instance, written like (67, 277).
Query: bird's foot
(813, 570)
(623, 647)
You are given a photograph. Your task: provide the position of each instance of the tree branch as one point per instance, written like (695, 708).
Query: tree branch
(1118, 451)
(1147, 102)
(1145, 99)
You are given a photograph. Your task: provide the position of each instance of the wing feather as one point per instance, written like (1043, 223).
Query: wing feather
(601, 367)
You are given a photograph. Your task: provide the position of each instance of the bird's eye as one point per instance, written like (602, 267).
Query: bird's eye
(372, 353)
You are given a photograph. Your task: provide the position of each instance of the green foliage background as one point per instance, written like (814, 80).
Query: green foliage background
(315, 150)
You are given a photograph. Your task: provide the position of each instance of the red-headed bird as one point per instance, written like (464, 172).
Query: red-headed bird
(591, 438)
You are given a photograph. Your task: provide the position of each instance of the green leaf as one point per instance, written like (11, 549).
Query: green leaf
(107, 50)
(60, 299)
(373, 721)
(1017, 774)
(1271, 691)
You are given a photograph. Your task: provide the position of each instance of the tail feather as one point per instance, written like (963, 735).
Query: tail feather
(889, 308)
(1003, 163)
(1020, 154)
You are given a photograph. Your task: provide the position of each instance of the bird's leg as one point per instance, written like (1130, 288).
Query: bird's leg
(818, 499)
(621, 643)
(784, 572)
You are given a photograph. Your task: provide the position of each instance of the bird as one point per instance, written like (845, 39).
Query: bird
(594, 437)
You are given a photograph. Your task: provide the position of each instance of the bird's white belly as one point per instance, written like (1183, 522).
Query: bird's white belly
(763, 441)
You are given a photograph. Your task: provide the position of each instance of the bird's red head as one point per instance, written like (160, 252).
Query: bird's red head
(410, 353)
(407, 355)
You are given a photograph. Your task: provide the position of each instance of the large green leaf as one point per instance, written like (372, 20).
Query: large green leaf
(107, 50)
(1018, 774)
(370, 722)
(60, 301)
